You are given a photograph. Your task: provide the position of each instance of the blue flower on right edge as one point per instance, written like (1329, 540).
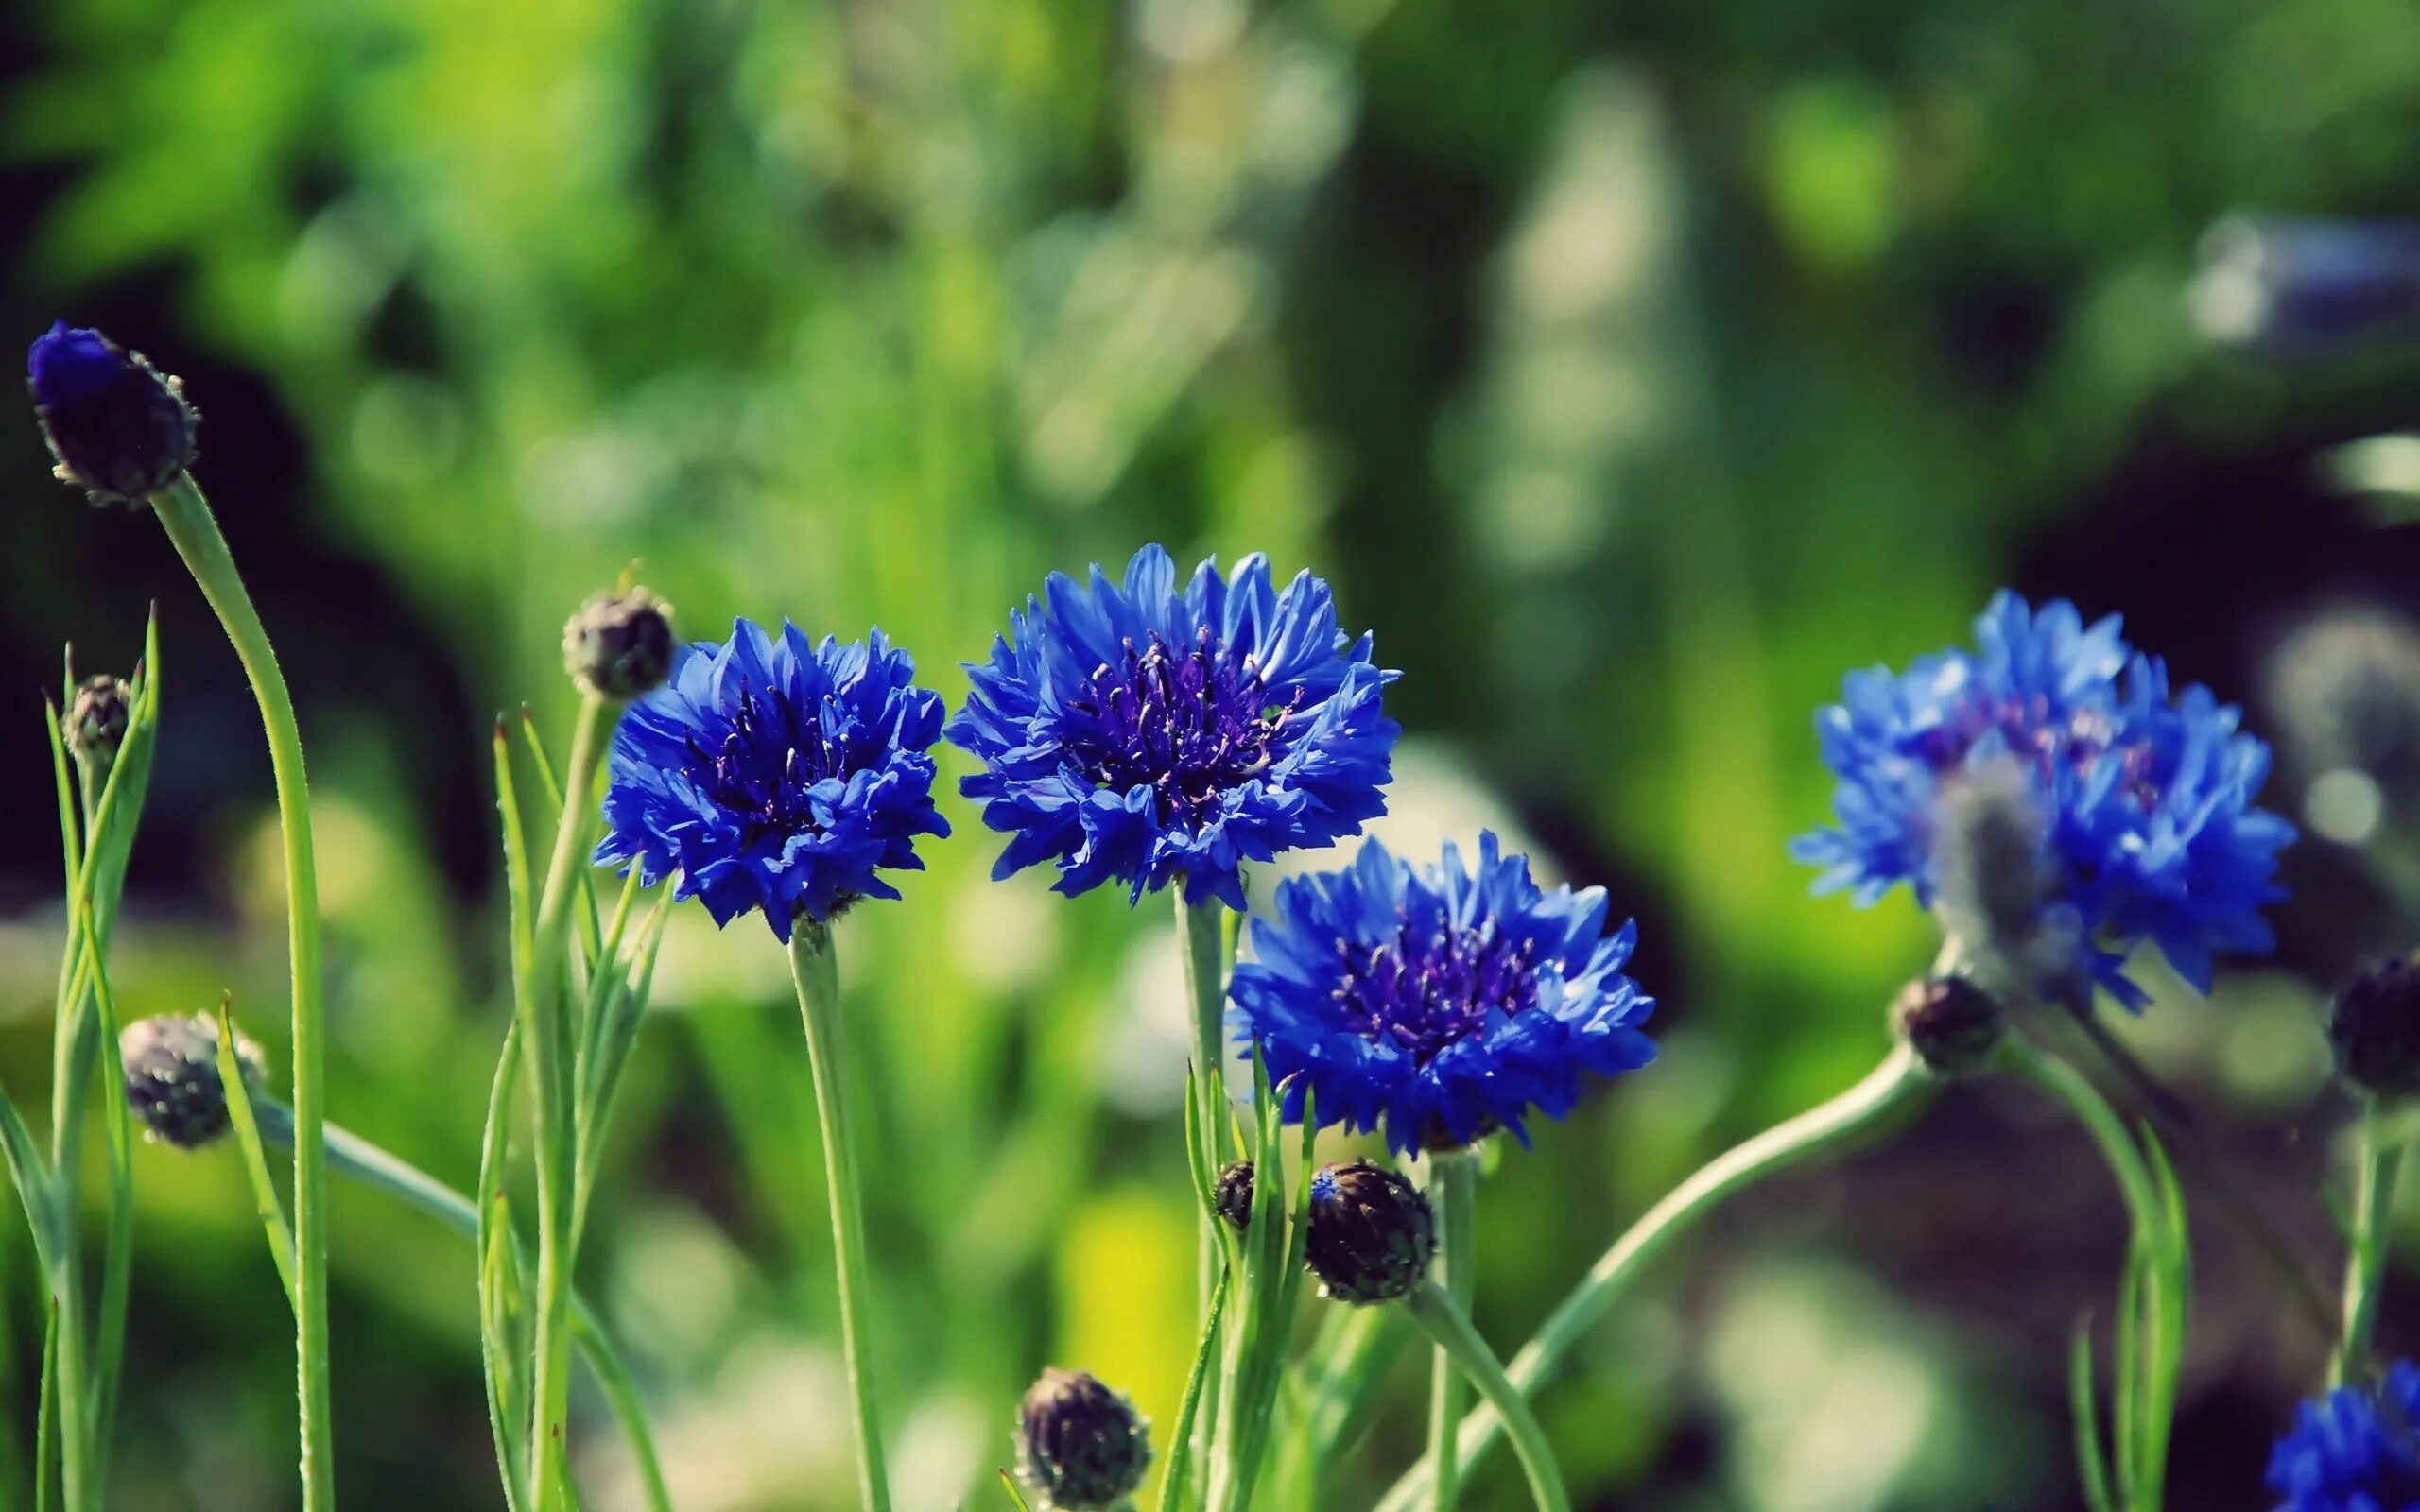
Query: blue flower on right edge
(2355, 1450)
(2145, 798)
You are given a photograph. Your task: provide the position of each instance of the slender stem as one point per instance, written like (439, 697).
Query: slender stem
(554, 1054)
(1895, 1086)
(1434, 1308)
(2379, 1161)
(2143, 1447)
(78, 1484)
(816, 976)
(352, 1155)
(186, 516)
(1453, 1193)
(1201, 929)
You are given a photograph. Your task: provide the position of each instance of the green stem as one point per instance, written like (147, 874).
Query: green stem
(816, 976)
(1434, 1308)
(2143, 1442)
(2379, 1162)
(186, 516)
(1453, 1193)
(554, 1054)
(354, 1157)
(1202, 946)
(1895, 1086)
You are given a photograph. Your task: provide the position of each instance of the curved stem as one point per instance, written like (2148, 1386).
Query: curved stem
(1453, 1193)
(1895, 1086)
(2379, 1162)
(1434, 1308)
(816, 973)
(186, 516)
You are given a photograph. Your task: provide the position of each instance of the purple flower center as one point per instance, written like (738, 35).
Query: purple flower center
(1187, 725)
(769, 760)
(2078, 741)
(68, 366)
(1426, 991)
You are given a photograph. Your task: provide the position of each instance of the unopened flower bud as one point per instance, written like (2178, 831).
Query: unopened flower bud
(1372, 1233)
(95, 723)
(1081, 1444)
(1233, 1196)
(2375, 1029)
(1952, 1025)
(172, 1080)
(620, 644)
(120, 429)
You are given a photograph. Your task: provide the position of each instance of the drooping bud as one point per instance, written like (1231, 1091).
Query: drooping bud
(172, 1080)
(2375, 1029)
(1372, 1233)
(1952, 1025)
(1233, 1194)
(1081, 1446)
(120, 429)
(95, 723)
(620, 644)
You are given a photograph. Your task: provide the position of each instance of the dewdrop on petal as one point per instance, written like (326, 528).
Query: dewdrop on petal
(1081, 1446)
(120, 428)
(1372, 1233)
(620, 644)
(172, 1081)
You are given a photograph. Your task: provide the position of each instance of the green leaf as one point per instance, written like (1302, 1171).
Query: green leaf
(1181, 1444)
(1016, 1496)
(2091, 1470)
(501, 1345)
(241, 1114)
(34, 1186)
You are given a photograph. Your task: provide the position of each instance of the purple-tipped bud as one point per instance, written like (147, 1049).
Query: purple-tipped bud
(1081, 1445)
(172, 1081)
(2302, 288)
(95, 723)
(620, 644)
(2375, 1029)
(1952, 1025)
(120, 429)
(1372, 1233)
(1233, 1194)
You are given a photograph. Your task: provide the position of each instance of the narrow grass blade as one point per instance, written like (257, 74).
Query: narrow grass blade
(1180, 1465)
(2092, 1471)
(247, 1140)
(1016, 1494)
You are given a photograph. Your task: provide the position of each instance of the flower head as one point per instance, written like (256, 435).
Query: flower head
(1371, 1234)
(2355, 1450)
(1147, 732)
(1441, 1001)
(172, 1081)
(95, 723)
(2144, 800)
(776, 774)
(620, 644)
(2374, 1028)
(120, 430)
(1081, 1445)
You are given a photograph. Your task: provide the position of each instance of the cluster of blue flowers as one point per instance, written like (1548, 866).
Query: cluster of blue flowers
(2149, 829)
(2355, 1450)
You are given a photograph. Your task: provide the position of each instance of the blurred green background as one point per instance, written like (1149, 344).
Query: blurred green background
(1632, 369)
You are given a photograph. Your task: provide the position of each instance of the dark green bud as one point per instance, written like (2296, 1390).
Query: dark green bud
(172, 1080)
(1952, 1025)
(2375, 1029)
(120, 428)
(1234, 1194)
(620, 644)
(95, 723)
(1372, 1233)
(1081, 1446)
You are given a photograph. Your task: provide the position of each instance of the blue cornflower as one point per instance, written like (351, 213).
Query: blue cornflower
(2355, 1450)
(777, 775)
(1440, 1001)
(2143, 799)
(1146, 732)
